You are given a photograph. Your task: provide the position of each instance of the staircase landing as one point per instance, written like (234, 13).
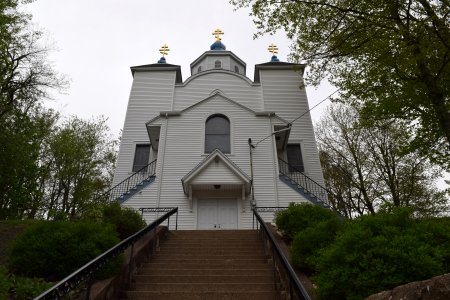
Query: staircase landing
(206, 264)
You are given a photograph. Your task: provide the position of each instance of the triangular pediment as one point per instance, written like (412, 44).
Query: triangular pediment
(216, 170)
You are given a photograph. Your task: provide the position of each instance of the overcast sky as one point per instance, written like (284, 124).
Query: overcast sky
(97, 41)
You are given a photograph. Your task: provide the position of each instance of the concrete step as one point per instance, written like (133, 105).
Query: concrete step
(204, 287)
(211, 244)
(209, 256)
(203, 278)
(230, 295)
(212, 265)
(206, 261)
(216, 251)
(266, 270)
(206, 264)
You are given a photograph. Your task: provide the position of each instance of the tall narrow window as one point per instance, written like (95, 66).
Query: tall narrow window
(199, 69)
(141, 157)
(217, 134)
(294, 157)
(217, 64)
(236, 69)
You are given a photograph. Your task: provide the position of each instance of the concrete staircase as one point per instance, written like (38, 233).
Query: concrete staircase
(206, 264)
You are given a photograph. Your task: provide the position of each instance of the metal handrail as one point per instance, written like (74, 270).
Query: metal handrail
(308, 184)
(158, 210)
(86, 272)
(130, 182)
(292, 285)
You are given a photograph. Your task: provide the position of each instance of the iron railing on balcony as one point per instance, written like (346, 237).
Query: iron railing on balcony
(128, 184)
(308, 185)
(285, 279)
(86, 273)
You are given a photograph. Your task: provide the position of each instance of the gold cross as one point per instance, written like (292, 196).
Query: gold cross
(164, 50)
(217, 33)
(273, 49)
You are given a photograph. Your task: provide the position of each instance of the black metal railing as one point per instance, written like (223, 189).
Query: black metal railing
(309, 185)
(158, 210)
(267, 209)
(285, 279)
(129, 183)
(86, 273)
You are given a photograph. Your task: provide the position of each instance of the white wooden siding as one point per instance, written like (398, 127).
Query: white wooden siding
(216, 172)
(181, 144)
(151, 93)
(232, 85)
(282, 94)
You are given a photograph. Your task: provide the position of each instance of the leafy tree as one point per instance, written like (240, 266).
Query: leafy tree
(366, 168)
(81, 155)
(25, 80)
(25, 73)
(392, 56)
(46, 168)
(21, 174)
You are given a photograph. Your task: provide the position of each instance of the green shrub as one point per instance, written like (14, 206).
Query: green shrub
(307, 243)
(4, 283)
(298, 217)
(14, 287)
(127, 221)
(375, 253)
(28, 288)
(52, 250)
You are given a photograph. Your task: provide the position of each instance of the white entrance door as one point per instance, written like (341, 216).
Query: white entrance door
(217, 214)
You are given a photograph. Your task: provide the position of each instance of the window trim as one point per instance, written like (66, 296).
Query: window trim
(136, 144)
(203, 132)
(301, 156)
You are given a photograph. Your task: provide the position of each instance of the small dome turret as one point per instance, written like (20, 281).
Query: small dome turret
(218, 45)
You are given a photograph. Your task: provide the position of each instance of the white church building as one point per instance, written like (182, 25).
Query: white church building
(217, 144)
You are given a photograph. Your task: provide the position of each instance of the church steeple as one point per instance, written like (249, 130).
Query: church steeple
(218, 45)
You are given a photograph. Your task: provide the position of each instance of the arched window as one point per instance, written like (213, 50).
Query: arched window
(199, 69)
(236, 69)
(217, 64)
(217, 134)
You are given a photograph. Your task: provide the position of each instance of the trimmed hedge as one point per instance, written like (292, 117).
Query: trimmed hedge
(306, 246)
(380, 252)
(53, 250)
(352, 259)
(300, 216)
(127, 221)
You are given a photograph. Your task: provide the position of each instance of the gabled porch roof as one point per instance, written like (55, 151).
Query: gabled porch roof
(216, 172)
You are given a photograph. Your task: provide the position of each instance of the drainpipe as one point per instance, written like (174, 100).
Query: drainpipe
(252, 186)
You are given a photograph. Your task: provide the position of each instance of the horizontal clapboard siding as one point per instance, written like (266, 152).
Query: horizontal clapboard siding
(151, 93)
(181, 144)
(282, 94)
(233, 86)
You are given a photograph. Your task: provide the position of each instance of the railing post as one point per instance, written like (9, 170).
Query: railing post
(130, 267)
(88, 289)
(253, 223)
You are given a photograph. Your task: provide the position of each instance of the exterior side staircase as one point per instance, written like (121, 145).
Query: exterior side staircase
(131, 185)
(206, 264)
(303, 185)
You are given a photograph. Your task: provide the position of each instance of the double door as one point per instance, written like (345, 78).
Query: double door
(217, 214)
